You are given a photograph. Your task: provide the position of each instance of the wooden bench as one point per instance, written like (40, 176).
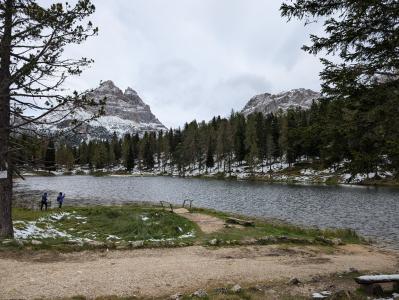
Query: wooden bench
(166, 204)
(371, 283)
(187, 200)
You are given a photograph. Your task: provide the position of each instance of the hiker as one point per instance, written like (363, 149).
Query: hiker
(44, 201)
(60, 199)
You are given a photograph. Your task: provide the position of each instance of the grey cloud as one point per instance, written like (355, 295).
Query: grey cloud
(238, 90)
(197, 58)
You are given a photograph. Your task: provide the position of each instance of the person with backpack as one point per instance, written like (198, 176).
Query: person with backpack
(44, 201)
(60, 199)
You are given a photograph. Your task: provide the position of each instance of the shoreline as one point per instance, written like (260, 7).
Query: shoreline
(370, 240)
(392, 183)
(142, 225)
(377, 237)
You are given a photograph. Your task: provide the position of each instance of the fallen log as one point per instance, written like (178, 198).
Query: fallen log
(371, 283)
(370, 279)
(240, 222)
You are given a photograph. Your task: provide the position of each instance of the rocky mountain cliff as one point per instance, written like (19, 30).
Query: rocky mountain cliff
(125, 112)
(269, 103)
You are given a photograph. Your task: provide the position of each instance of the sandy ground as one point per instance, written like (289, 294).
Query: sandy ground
(206, 223)
(163, 272)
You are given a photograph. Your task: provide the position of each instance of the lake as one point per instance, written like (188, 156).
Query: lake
(371, 211)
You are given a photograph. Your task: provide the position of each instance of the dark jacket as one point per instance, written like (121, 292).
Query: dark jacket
(60, 198)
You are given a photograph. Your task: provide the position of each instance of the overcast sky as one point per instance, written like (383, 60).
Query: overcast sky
(193, 59)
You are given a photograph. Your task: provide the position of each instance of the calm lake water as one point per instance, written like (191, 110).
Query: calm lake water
(373, 212)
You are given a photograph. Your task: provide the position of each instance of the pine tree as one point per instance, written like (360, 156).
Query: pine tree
(111, 154)
(251, 142)
(291, 137)
(32, 66)
(64, 156)
(100, 158)
(239, 137)
(210, 161)
(270, 146)
(159, 148)
(275, 132)
(166, 155)
(49, 160)
(210, 151)
(130, 159)
(364, 34)
(148, 151)
(83, 154)
(126, 145)
(261, 137)
(116, 147)
(365, 81)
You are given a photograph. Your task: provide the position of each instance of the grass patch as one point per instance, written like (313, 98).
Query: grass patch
(100, 226)
(333, 180)
(136, 226)
(389, 182)
(98, 173)
(121, 172)
(132, 223)
(273, 228)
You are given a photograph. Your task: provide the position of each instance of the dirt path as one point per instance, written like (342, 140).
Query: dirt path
(160, 272)
(207, 223)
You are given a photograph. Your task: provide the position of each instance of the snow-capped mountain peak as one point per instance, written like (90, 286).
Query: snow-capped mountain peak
(125, 112)
(108, 87)
(130, 91)
(268, 103)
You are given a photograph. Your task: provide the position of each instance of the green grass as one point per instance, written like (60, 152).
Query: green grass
(98, 173)
(131, 223)
(79, 228)
(101, 226)
(333, 180)
(274, 228)
(390, 182)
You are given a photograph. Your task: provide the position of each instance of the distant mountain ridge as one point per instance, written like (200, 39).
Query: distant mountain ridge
(268, 103)
(125, 112)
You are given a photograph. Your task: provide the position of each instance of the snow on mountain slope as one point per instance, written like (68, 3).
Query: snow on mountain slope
(125, 112)
(269, 103)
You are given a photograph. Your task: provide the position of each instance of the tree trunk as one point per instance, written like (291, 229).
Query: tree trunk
(6, 229)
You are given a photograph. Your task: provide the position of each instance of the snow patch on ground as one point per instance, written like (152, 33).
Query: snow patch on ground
(183, 236)
(31, 230)
(187, 235)
(113, 237)
(321, 295)
(276, 171)
(44, 227)
(59, 216)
